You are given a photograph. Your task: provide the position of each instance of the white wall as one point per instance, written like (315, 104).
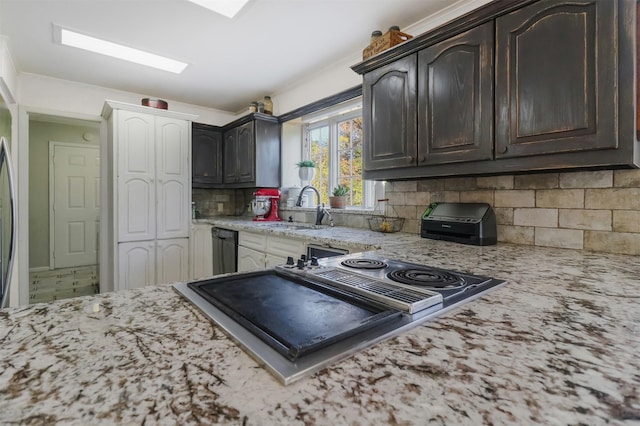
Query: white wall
(8, 77)
(291, 134)
(62, 96)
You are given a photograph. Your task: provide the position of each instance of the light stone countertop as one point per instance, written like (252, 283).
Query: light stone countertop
(559, 344)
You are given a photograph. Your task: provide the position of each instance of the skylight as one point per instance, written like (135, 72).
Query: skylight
(228, 8)
(70, 38)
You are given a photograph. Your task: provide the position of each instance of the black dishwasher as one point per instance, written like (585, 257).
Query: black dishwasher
(225, 250)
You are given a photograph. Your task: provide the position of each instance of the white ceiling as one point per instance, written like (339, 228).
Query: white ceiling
(267, 47)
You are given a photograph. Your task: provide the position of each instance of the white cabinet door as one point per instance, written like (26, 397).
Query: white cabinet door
(250, 260)
(136, 265)
(144, 263)
(172, 260)
(135, 176)
(201, 251)
(172, 178)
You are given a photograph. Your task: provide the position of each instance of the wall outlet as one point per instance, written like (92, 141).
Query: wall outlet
(220, 207)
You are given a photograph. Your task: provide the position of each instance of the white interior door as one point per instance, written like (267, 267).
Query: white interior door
(75, 208)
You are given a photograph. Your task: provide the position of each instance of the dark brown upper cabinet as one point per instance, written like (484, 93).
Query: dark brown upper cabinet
(514, 86)
(389, 114)
(455, 98)
(251, 152)
(556, 78)
(206, 155)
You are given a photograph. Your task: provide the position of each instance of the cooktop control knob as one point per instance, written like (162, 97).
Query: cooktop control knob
(290, 260)
(303, 257)
(314, 261)
(301, 264)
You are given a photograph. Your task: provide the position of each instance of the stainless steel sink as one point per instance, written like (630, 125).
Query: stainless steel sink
(291, 226)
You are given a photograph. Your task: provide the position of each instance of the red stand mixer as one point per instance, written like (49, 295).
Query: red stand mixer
(265, 204)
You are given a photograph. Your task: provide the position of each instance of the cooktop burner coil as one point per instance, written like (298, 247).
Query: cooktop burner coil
(428, 278)
(362, 263)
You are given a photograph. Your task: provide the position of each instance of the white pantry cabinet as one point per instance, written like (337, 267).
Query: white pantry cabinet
(147, 195)
(153, 181)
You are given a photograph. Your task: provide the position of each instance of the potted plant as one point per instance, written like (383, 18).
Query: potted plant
(306, 170)
(339, 198)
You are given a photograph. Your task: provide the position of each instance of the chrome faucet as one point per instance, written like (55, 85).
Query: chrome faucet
(320, 210)
(326, 212)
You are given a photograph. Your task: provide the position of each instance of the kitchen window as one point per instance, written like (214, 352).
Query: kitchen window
(334, 142)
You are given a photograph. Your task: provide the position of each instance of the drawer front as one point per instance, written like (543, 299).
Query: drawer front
(283, 247)
(252, 240)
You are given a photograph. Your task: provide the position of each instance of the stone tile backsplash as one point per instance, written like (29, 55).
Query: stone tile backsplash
(595, 211)
(221, 202)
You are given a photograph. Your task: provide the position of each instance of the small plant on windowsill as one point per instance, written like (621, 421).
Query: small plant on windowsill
(306, 163)
(306, 170)
(339, 199)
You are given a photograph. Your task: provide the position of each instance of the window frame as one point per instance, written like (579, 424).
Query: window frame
(331, 119)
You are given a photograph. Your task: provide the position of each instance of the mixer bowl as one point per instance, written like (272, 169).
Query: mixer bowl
(260, 205)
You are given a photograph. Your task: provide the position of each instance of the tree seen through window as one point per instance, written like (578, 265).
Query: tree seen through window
(336, 148)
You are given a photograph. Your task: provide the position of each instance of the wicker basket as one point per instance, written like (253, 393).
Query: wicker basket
(386, 223)
(384, 42)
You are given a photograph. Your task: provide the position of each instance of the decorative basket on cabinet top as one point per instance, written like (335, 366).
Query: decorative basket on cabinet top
(384, 42)
(155, 103)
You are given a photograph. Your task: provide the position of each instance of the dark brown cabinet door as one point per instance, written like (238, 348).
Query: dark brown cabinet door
(245, 153)
(389, 113)
(206, 151)
(556, 78)
(230, 155)
(455, 98)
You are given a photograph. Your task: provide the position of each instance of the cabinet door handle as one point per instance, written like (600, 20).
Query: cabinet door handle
(423, 158)
(504, 149)
(412, 159)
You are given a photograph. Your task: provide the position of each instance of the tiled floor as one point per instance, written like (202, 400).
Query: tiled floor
(45, 286)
